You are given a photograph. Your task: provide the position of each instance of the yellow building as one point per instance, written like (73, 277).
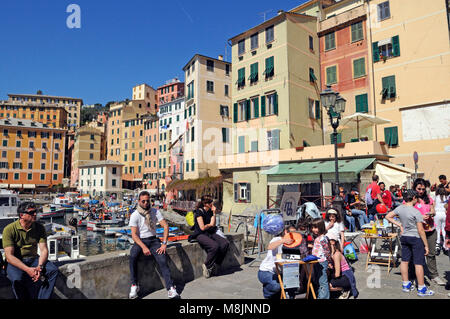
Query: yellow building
(125, 133)
(89, 147)
(32, 154)
(410, 59)
(207, 112)
(275, 89)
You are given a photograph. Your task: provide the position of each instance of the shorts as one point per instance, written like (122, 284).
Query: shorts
(413, 248)
(341, 282)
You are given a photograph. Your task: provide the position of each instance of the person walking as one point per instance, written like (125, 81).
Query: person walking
(425, 205)
(441, 201)
(28, 271)
(206, 234)
(413, 241)
(143, 231)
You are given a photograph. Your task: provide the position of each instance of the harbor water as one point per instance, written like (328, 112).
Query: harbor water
(96, 243)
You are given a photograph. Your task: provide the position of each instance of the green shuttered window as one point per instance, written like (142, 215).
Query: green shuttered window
(263, 106)
(375, 52)
(269, 72)
(362, 104)
(253, 73)
(241, 78)
(330, 42)
(396, 45)
(389, 89)
(357, 31)
(331, 75)
(391, 136)
(359, 68)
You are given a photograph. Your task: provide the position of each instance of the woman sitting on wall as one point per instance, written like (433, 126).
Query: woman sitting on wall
(206, 234)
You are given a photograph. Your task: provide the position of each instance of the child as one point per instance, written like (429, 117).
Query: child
(334, 224)
(322, 251)
(342, 277)
(267, 274)
(413, 241)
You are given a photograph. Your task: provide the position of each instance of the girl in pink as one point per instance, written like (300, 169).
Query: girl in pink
(425, 205)
(322, 251)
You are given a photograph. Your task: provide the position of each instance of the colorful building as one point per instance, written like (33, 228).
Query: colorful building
(32, 155)
(101, 178)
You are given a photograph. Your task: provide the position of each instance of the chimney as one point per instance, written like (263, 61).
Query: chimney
(220, 57)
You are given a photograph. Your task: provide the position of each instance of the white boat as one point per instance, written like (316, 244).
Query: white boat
(9, 202)
(112, 231)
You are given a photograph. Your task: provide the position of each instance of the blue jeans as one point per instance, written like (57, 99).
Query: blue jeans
(362, 217)
(271, 286)
(152, 244)
(320, 270)
(351, 223)
(22, 285)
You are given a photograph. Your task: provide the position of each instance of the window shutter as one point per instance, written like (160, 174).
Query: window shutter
(375, 52)
(317, 112)
(224, 135)
(387, 136)
(385, 83)
(256, 108)
(275, 103)
(392, 88)
(263, 106)
(247, 110)
(235, 112)
(241, 144)
(235, 193)
(276, 139)
(249, 192)
(396, 45)
(394, 136)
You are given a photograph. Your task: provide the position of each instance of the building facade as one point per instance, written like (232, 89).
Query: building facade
(102, 179)
(45, 103)
(32, 155)
(207, 112)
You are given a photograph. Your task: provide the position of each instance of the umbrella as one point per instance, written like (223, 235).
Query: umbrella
(362, 120)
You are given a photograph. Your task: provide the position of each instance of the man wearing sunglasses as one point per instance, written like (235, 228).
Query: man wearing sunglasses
(143, 231)
(28, 272)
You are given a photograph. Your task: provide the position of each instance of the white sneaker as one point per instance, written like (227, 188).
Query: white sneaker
(345, 295)
(438, 281)
(134, 292)
(206, 271)
(172, 293)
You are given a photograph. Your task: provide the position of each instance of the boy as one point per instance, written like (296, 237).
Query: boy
(413, 240)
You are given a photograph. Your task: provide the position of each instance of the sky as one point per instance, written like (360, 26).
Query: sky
(120, 43)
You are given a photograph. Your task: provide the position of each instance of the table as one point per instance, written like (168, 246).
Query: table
(308, 268)
(374, 257)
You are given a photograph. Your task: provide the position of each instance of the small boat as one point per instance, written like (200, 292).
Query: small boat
(112, 231)
(51, 211)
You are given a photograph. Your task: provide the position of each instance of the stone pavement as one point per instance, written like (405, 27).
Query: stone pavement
(242, 283)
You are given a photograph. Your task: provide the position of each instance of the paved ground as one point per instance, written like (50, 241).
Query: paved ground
(242, 283)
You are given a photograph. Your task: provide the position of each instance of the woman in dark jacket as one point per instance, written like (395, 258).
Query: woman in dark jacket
(205, 232)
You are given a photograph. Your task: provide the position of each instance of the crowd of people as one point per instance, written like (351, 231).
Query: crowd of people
(422, 217)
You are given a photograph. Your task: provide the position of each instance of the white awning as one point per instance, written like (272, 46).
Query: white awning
(384, 42)
(3, 185)
(15, 185)
(391, 176)
(29, 186)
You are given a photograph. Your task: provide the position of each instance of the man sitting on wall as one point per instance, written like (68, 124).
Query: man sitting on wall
(27, 270)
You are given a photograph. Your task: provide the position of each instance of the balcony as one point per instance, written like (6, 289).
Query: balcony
(322, 152)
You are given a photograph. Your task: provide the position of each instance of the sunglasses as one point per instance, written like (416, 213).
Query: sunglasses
(31, 212)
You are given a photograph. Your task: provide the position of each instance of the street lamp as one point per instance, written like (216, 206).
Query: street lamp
(335, 106)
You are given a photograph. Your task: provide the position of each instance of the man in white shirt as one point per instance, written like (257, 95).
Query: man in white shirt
(143, 231)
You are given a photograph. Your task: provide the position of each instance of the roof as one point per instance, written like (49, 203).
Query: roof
(15, 122)
(47, 96)
(203, 56)
(312, 171)
(101, 163)
(277, 18)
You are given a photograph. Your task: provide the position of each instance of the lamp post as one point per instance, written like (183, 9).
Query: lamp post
(335, 106)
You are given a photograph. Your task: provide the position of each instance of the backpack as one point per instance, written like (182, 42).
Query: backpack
(368, 197)
(350, 252)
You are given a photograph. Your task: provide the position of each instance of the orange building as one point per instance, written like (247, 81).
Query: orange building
(344, 52)
(151, 133)
(170, 91)
(32, 154)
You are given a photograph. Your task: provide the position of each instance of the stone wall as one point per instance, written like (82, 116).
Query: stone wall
(107, 276)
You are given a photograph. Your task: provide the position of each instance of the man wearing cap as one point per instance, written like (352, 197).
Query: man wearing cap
(350, 199)
(27, 270)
